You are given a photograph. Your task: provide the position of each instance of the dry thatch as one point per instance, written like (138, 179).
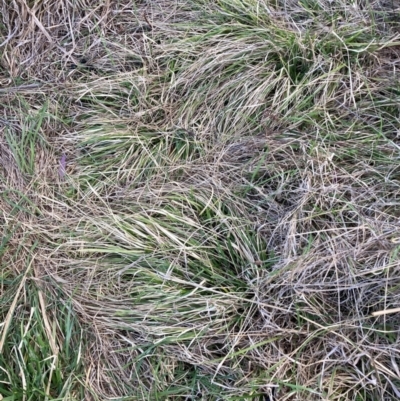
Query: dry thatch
(199, 200)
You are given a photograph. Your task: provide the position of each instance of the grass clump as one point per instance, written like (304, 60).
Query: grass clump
(199, 201)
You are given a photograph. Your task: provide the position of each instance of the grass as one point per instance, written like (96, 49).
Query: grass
(226, 222)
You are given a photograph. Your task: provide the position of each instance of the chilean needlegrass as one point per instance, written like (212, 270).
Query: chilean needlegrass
(199, 200)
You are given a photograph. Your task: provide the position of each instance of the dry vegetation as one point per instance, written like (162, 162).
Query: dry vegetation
(199, 200)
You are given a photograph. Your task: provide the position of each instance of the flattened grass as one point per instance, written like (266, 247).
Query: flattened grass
(228, 216)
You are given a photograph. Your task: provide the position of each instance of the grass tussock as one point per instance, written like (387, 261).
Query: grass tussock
(199, 200)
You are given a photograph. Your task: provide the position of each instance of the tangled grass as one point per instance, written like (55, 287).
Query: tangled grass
(199, 200)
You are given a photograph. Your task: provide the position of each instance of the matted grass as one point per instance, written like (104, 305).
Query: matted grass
(199, 200)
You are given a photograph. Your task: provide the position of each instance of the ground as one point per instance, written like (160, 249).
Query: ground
(199, 200)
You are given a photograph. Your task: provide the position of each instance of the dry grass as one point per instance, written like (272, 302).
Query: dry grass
(199, 200)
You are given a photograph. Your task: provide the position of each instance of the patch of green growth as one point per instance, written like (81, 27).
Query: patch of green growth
(42, 351)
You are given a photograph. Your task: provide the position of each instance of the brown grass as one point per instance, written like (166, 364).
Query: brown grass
(228, 224)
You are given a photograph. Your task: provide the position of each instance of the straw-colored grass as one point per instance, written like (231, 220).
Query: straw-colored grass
(199, 200)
